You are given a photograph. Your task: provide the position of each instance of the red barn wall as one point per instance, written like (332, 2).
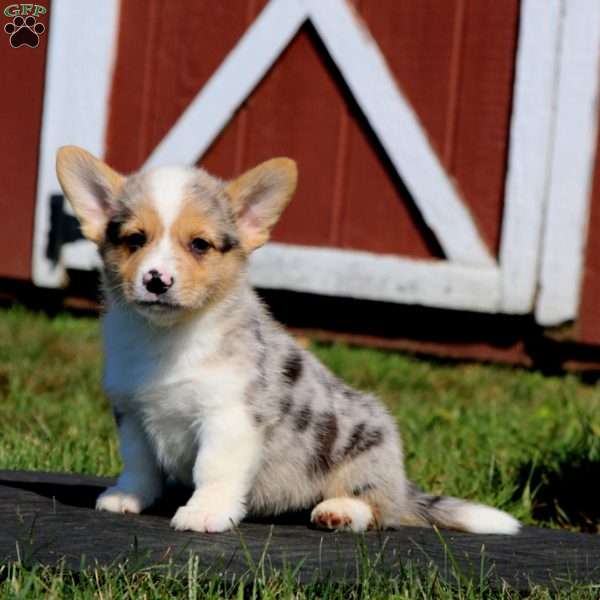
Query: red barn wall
(348, 196)
(20, 121)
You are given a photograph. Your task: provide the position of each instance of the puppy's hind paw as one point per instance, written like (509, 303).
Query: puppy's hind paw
(343, 513)
(116, 500)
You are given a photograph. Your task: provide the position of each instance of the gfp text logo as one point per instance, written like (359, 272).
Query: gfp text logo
(24, 29)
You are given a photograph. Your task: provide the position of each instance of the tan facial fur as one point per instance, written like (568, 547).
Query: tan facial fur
(122, 264)
(207, 276)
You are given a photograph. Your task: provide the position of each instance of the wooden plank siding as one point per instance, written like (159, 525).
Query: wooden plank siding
(587, 327)
(437, 53)
(347, 188)
(20, 121)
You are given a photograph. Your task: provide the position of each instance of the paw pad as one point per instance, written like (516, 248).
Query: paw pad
(24, 32)
(331, 520)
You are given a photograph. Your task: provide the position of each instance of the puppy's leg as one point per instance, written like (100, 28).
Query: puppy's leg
(140, 483)
(366, 491)
(223, 473)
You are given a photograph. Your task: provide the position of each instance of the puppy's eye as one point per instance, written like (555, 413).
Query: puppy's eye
(134, 241)
(199, 246)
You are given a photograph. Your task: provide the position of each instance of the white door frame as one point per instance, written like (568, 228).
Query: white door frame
(79, 64)
(572, 165)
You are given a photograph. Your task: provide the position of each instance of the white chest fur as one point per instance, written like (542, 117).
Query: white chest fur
(173, 380)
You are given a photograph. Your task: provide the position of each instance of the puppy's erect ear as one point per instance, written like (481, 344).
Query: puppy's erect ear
(90, 186)
(258, 198)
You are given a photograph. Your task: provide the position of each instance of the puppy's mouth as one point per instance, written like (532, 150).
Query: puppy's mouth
(159, 305)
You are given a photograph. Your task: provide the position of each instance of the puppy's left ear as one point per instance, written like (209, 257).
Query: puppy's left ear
(259, 196)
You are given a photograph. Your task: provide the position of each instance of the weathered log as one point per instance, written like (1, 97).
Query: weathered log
(48, 517)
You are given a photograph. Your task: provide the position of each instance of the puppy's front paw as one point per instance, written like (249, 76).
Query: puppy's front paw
(204, 521)
(116, 500)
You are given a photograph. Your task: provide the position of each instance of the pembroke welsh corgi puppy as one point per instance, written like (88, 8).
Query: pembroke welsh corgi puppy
(206, 388)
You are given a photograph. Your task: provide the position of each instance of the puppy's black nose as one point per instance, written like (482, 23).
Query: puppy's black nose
(156, 283)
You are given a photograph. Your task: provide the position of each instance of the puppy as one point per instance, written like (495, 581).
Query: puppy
(206, 388)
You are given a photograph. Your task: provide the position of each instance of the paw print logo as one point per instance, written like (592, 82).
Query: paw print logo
(24, 32)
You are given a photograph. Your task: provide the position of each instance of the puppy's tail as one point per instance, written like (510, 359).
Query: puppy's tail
(461, 515)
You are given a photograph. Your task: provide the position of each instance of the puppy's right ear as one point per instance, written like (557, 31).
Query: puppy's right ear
(90, 186)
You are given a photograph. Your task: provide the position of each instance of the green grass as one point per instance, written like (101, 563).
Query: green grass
(18, 582)
(512, 438)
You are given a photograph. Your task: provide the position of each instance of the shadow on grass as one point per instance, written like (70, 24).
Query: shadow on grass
(564, 489)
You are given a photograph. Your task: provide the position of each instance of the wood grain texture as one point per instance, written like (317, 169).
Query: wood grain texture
(453, 60)
(161, 65)
(416, 40)
(483, 110)
(20, 121)
(437, 55)
(295, 112)
(49, 517)
(399, 131)
(588, 324)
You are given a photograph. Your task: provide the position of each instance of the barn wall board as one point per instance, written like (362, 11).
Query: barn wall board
(20, 121)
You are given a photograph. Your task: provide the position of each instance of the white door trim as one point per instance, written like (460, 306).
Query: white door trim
(531, 127)
(355, 274)
(368, 276)
(79, 65)
(574, 150)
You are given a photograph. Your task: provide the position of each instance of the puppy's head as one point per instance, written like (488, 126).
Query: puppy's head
(173, 239)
